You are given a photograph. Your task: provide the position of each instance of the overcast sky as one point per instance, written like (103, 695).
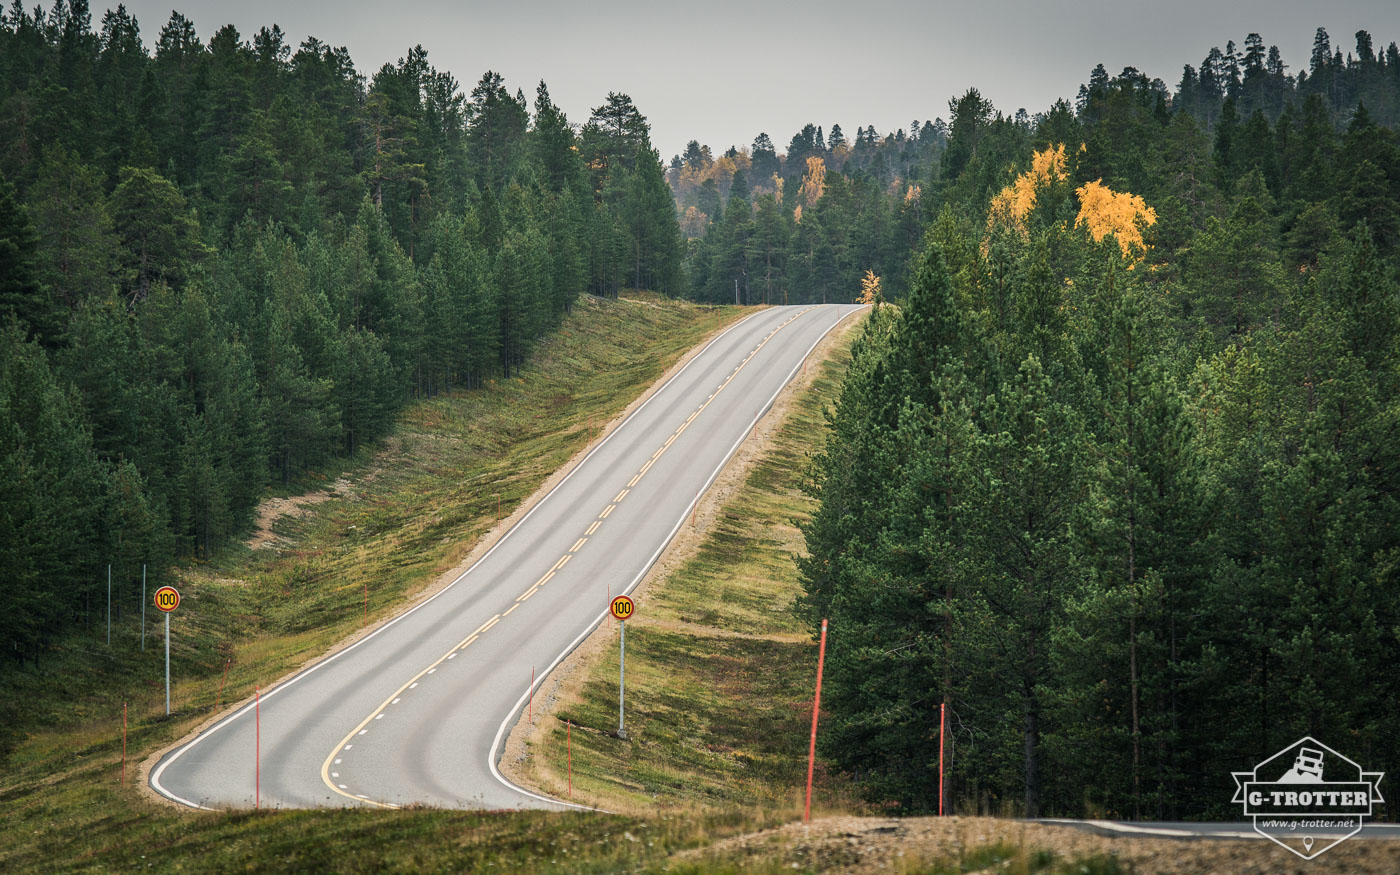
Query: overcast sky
(723, 71)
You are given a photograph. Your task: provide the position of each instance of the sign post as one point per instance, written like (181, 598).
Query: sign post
(167, 600)
(622, 609)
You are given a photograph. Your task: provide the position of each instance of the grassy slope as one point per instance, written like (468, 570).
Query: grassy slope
(719, 668)
(418, 508)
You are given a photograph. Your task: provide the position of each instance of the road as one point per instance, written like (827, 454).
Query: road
(1189, 830)
(418, 710)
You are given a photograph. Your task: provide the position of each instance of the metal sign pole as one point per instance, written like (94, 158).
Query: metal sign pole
(621, 674)
(167, 663)
(143, 607)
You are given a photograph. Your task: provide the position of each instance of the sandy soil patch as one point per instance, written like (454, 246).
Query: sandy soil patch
(875, 844)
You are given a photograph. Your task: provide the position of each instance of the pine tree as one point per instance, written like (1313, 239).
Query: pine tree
(22, 297)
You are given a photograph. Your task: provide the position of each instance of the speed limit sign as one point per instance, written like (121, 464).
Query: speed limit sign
(622, 607)
(167, 599)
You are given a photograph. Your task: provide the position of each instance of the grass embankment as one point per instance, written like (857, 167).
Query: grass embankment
(404, 517)
(719, 667)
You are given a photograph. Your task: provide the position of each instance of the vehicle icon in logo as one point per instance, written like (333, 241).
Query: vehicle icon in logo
(1307, 797)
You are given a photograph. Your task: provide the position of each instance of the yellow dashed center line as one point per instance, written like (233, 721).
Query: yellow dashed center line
(379, 712)
(345, 745)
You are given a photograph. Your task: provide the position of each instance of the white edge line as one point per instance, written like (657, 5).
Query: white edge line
(170, 758)
(491, 756)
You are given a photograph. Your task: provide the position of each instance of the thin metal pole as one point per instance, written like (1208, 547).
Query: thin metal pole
(942, 717)
(143, 607)
(816, 709)
(109, 603)
(167, 663)
(621, 674)
(218, 699)
(123, 742)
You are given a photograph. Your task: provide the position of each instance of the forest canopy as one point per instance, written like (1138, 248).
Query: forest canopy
(225, 261)
(1116, 479)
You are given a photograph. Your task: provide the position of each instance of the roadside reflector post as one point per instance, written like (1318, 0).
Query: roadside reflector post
(167, 599)
(942, 719)
(621, 608)
(816, 709)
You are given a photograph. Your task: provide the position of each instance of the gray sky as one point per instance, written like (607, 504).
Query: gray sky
(723, 71)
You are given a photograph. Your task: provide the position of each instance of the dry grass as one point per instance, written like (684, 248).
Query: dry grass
(410, 513)
(719, 668)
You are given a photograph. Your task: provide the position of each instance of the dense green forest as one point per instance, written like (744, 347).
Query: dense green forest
(225, 262)
(805, 225)
(1117, 479)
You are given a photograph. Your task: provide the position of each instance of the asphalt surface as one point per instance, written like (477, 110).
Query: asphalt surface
(1187, 830)
(418, 711)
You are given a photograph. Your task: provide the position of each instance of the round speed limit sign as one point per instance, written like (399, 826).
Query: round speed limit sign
(167, 599)
(622, 607)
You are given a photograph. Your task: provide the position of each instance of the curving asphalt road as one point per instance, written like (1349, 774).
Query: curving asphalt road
(417, 711)
(1197, 830)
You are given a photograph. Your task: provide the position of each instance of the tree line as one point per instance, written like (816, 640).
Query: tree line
(1117, 479)
(224, 263)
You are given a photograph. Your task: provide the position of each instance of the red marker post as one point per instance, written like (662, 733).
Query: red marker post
(816, 709)
(257, 748)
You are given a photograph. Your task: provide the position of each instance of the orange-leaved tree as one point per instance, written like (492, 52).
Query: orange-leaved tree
(870, 288)
(813, 182)
(1105, 211)
(1014, 203)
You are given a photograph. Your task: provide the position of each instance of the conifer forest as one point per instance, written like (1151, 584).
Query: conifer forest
(1115, 470)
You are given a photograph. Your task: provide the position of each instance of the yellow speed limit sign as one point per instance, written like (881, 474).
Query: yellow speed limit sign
(622, 607)
(167, 599)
